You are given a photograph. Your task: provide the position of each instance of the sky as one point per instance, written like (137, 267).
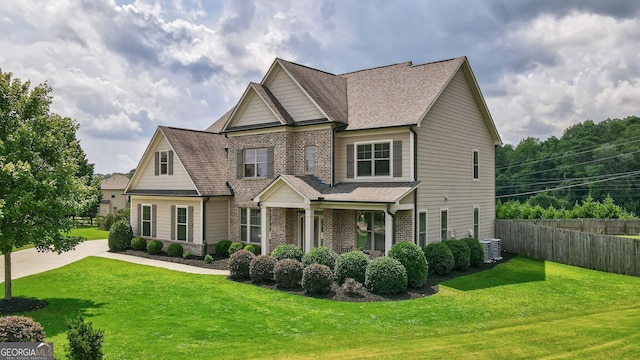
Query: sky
(122, 68)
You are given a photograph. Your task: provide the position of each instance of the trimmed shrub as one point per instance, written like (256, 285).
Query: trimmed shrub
(439, 258)
(476, 252)
(287, 251)
(208, 259)
(139, 244)
(239, 263)
(85, 343)
(20, 329)
(351, 265)
(154, 247)
(412, 258)
(320, 255)
(255, 249)
(235, 247)
(186, 254)
(385, 275)
(351, 287)
(317, 279)
(288, 273)
(461, 254)
(222, 248)
(120, 235)
(261, 268)
(174, 250)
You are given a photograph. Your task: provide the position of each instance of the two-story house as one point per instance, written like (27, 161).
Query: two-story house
(112, 194)
(359, 160)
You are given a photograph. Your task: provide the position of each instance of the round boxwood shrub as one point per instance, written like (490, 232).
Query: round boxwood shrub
(222, 248)
(439, 258)
(174, 250)
(154, 247)
(139, 244)
(476, 252)
(208, 259)
(288, 273)
(235, 247)
(287, 251)
(120, 235)
(412, 258)
(261, 268)
(317, 279)
(320, 255)
(385, 275)
(353, 265)
(20, 329)
(255, 249)
(461, 254)
(239, 263)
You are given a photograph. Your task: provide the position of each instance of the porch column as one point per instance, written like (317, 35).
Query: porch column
(264, 230)
(308, 229)
(388, 232)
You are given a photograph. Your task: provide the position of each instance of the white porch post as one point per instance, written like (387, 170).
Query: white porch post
(264, 230)
(388, 232)
(308, 229)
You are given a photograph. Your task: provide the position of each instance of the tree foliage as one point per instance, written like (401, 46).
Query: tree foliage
(586, 209)
(44, 176)
(590, 159)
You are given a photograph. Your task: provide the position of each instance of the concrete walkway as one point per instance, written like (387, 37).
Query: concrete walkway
(30, 261)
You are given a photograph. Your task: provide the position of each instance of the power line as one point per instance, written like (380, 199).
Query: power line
(524, 182)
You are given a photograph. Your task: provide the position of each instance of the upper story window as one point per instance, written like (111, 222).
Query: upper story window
(310, 159)
(113, 194)
(255, 162)
(373, 159)
(476, 165)
(164, 162)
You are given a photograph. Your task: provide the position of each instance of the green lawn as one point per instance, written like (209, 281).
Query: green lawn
(87, 232)
(522, 309)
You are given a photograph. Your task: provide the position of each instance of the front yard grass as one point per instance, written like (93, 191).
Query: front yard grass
(521, 309)
(85, 231)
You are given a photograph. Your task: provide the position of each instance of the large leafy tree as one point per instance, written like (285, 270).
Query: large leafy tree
(41, 180)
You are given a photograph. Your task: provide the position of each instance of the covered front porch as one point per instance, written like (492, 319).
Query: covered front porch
(299, 210)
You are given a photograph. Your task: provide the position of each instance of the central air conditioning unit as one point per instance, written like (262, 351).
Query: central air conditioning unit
(488, 254)
(496, 249)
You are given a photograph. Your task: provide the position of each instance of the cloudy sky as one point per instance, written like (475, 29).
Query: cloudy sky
(121, 68)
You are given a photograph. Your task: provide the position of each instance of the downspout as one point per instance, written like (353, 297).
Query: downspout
(204, 222)
(333, 153)
(393, 224)
(415, 178)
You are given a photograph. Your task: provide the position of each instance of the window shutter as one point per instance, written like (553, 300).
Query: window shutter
(350, 161)
(270, 161)
(157, 164)
(139, 227)
(239, 161)
(154, 216)
(170, 166)
(190, 222)
(397, 158)
(173, 222)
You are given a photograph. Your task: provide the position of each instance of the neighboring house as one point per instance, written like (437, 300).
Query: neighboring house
(112, 194)
(364, 159)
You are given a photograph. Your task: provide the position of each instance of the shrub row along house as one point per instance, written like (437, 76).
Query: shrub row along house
(359, 160)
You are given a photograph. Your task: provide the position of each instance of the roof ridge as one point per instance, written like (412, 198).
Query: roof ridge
(378, 67)
(185, 129)
(307, 67)
(439, 61)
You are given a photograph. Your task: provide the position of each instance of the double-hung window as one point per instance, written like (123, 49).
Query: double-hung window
(164, 162)
(255, 162)
(476, 165)
(476, 223)
(146, 220)
(373, 159)
(444, 224)
(250, 225)
(182, 226)
(422, 228)
(310, 159)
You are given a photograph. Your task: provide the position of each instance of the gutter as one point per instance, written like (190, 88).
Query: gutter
(415, 178)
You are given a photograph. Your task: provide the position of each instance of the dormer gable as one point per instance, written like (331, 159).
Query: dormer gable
(257, 106)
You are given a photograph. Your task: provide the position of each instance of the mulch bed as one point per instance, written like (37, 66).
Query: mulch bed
(20, 304)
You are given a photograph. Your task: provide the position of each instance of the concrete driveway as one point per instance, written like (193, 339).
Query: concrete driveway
(30, 261)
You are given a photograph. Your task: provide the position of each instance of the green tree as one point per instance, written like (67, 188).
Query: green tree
(40, 160)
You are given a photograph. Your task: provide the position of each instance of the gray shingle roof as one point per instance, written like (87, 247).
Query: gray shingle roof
(203, 156)
(273, 103)
(115, 182)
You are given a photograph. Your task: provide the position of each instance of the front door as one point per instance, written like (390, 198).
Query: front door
(317, 235)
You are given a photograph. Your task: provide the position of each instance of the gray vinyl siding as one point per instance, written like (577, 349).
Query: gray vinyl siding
(254, 112)
(179, 180)
(292, 98)
(350, 137)
(217, 220)
(163, 215)
(446, 139)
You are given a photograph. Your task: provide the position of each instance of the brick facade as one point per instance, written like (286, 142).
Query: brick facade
(404, 225)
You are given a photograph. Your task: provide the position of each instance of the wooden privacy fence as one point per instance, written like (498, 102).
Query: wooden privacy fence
(588, 250)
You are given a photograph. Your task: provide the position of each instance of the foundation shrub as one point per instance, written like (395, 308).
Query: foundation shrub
(320, 255)
(235, 247)
(439, 258)
(461, 254)
(476, 252)
(174, 250)
(317, 279)
(412, 258)
(255, 249)
(261, 268)
(154, 247)
(139, 244)
(222, 248)
(351, 265)
(385, 275)
(287, 251)
(288, 273)
(120, 235)
(352, 288)
(239, 263)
